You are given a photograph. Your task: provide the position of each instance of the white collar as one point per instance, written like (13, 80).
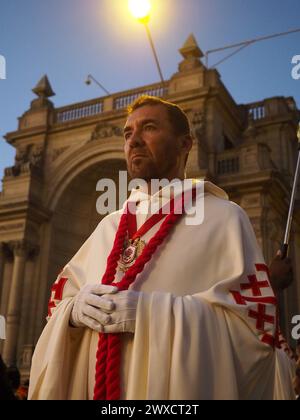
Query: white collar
(141, 194)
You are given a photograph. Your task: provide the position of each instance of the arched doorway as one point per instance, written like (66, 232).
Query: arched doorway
(75, 216)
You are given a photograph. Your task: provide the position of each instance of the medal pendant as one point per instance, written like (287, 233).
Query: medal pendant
(132, 250)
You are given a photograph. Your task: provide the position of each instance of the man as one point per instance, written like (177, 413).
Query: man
(183, 311)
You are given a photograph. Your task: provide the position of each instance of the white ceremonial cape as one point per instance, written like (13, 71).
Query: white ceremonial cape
(205, 321)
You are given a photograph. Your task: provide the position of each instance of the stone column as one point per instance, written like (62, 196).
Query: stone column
(5, 286)
(34, 301)
(6, 283)
(25, 341)
(2, 263)
(14, 302)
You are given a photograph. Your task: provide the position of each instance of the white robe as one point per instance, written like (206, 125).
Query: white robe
(192, 339)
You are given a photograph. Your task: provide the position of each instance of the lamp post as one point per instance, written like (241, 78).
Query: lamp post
(140, 9)
(91, 79)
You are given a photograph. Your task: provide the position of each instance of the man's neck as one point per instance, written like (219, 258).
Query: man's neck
(151, 186)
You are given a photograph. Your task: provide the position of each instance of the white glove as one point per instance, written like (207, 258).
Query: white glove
(90, 309)
(122, 317)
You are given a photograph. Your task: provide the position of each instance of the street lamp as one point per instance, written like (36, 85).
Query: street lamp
(140, 9)
(91, 79)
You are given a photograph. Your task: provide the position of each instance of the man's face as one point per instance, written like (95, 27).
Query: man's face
(152, 149)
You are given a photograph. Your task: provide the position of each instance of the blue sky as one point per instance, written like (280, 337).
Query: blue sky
(67, 39)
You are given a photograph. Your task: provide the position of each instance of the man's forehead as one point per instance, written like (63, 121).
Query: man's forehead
(147, 112)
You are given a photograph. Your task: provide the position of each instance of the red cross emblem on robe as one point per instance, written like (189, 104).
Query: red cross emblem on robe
(264, 314)
(56, 294)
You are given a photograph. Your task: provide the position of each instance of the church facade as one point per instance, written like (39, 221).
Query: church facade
(48, 197)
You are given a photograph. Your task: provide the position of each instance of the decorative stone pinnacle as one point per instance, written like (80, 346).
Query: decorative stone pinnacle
(191, 48)
(43, 89)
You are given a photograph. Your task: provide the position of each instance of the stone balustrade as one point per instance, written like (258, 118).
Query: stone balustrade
(79, 111)
(256, 111)
(109, 103)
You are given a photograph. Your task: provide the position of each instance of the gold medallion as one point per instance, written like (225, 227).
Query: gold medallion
(132, 250)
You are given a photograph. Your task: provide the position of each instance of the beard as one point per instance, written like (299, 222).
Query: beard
(148, 170)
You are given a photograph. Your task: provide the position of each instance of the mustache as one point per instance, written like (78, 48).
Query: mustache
(138, 153)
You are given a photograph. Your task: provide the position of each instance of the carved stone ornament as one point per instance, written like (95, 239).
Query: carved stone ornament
(26, 159)
(21, 156)
(37, 156)
(198, 123)
(103, 131)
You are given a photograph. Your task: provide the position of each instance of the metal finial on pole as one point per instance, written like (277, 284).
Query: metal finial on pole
(285, 247)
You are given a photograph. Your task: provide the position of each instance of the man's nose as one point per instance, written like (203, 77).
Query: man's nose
(136, 138)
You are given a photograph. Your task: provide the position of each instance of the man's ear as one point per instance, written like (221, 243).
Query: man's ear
(187, 142)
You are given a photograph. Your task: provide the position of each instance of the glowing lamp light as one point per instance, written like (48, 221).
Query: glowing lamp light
(140, 9)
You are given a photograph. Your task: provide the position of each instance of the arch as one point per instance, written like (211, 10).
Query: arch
(68, 168)
(72, 202)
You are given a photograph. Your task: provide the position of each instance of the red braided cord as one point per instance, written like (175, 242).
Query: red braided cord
(102, 352)
(107, 386)
(113, 362)
(101, 368)
(117, 249)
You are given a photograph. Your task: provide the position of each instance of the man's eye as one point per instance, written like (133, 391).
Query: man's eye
(127, 135)
(149, 127)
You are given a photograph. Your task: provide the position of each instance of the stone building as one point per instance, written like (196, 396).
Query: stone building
(47, 202)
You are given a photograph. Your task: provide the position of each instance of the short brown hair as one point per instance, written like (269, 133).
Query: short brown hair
(177, 116)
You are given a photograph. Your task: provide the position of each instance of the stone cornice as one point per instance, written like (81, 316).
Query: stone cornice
(24, 209)
(14, 136)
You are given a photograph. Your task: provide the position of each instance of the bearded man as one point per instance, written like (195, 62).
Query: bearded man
(155, 307)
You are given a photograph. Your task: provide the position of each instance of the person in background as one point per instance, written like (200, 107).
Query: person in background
(6, 390)
(281, 273)
(281, 277)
